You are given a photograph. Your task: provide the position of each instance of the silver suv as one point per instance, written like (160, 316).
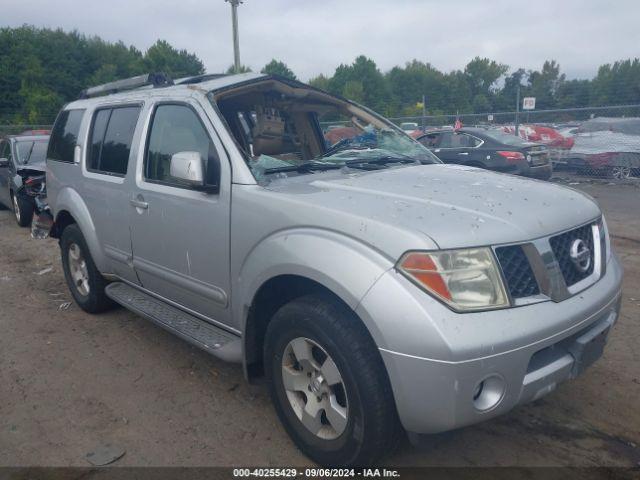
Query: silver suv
(304, 236)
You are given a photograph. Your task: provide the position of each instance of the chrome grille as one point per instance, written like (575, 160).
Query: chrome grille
(517, 271)
(561, 246)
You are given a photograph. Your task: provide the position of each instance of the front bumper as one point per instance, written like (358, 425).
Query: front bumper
(521, 353)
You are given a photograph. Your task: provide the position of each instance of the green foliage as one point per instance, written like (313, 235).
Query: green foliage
(354, 90)
(482, 75)
(374, 92)
(41, 69)
(276, 67)
(321, 82)
(162, 57)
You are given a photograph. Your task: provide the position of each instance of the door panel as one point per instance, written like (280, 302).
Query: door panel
(109, 154)
(180, 236)
(458, 147)
(447, 150)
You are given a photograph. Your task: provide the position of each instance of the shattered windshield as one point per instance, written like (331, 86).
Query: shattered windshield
(299, 131)
(31, 152)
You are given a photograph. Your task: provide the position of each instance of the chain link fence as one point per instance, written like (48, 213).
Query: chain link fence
(601, 141)
(557, 117)
(6, 130)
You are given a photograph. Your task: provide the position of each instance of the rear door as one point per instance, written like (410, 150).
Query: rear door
(180, 235)
(449, 149)
(108, 158)
(458, 147)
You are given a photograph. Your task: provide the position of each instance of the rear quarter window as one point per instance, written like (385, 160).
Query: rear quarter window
(110, 140)
(64, 136)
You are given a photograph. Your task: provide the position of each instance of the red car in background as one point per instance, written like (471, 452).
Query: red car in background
(539, 134)
(558, 145)
(336, 133)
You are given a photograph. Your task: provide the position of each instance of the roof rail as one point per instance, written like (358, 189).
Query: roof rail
(155, 79)
(200, 78)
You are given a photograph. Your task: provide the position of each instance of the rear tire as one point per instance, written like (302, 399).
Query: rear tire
(367, 426)
(619, 173)
(22, 209)
(84, 280)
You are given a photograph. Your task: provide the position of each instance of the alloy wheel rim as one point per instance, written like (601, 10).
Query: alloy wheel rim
(621, 172)
(78, 270)
(16, 208)
(315, 388)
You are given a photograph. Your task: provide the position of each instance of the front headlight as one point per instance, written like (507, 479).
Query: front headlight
(465, 280)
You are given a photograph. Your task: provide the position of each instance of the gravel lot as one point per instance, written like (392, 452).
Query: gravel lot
(71, 382)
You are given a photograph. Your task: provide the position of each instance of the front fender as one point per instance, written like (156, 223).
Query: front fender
(70, 201)
(16, 183)
(345, 266)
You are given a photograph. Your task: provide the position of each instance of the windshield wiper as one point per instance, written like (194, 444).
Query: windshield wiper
(382, 160)
(373, 163)
(306, 167)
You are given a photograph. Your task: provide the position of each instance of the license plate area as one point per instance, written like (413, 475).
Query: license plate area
(588, 347)
(537, 160)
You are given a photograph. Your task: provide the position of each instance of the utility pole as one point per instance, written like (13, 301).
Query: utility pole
(517, 108)
(236, 40)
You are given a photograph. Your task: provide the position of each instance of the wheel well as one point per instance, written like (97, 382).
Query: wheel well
(63, 220)
(272, 295)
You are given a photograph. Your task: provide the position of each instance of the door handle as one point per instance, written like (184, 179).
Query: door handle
(139, 204)
(463, 153)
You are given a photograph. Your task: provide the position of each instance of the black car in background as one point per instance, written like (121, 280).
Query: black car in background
(490, 149)
(22, 170)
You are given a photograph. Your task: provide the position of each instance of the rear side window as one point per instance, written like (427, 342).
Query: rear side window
(64, 136)
(458, 140)
(430, 140)
(110, 141)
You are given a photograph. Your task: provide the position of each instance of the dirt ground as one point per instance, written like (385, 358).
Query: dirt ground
(71, 382)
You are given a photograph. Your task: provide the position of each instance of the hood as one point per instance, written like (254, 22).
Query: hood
(32, 169)
(454, 206)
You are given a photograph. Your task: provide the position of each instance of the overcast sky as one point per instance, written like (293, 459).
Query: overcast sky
(315, 36)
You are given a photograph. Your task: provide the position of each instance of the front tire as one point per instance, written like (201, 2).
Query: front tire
(84, 280)
(22, 209)
(328, 383)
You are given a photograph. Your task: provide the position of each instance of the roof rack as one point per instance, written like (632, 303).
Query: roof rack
(155, 79)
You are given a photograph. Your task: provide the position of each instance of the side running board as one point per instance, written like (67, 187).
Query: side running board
(200, 333)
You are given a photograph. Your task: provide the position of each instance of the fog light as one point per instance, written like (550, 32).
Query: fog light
(488, 393)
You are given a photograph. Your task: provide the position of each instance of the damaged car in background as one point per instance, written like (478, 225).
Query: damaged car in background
(608, 147)
(22, 173)
(376, 289)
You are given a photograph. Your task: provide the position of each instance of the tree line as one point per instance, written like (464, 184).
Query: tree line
(483, 85)
(41, 69)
